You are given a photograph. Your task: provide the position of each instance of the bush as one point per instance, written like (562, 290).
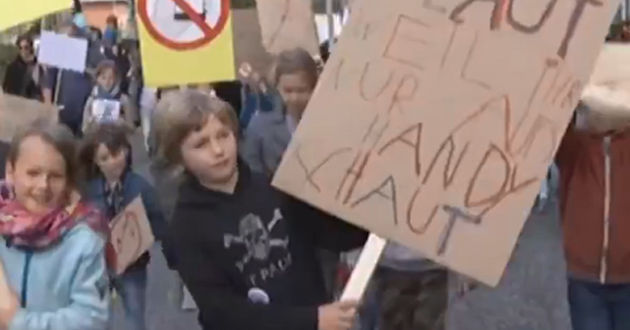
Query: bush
(616, 29)
(242, 4)
(8, 52)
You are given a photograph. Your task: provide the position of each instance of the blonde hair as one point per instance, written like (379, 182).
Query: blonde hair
(181, 112)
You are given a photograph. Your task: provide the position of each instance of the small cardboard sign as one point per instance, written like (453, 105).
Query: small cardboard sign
(17, 113)
(131, 235)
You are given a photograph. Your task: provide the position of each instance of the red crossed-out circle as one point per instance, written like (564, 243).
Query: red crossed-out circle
(209, 33)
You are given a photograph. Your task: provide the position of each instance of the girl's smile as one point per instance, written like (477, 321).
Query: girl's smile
(38, 176)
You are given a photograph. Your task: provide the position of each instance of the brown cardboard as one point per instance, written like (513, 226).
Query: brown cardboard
(287, 24)
(131, 235)
(248, 47)
(434, 121)
(17, 112)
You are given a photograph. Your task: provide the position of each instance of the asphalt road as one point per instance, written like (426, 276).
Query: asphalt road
(531, 296)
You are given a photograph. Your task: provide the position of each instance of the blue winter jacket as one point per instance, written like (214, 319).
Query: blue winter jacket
(64, 287)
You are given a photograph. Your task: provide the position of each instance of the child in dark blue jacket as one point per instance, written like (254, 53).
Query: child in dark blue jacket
(112, 185)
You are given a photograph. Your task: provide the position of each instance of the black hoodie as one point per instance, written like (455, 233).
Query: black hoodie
(249, 259)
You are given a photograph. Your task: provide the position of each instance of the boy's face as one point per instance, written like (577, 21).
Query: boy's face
(111, 164)
(107, 79)
(210, 154)
(296, 91)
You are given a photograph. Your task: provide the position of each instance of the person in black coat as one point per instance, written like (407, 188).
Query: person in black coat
(22, 75)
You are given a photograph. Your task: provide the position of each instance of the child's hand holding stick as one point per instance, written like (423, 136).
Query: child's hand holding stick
(337, 316)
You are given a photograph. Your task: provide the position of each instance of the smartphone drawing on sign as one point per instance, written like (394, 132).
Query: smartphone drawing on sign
(197, 5)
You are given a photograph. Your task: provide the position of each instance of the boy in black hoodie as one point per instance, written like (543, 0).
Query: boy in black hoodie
(246, 252)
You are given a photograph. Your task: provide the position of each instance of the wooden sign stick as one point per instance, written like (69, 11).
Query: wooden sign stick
(363, 270)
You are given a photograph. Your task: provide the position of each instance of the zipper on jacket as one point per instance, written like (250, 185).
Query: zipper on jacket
(25, 273)
(607, 176)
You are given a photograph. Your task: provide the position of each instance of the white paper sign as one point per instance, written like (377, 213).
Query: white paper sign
(106, 110)
(63, 52)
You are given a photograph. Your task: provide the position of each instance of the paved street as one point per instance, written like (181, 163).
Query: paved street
(164, 294)
(532, 294)
(530, 297)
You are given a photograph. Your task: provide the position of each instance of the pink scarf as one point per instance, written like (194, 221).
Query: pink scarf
(23, 229)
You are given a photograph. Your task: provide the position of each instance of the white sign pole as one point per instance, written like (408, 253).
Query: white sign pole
(331, 24)
(363, 270)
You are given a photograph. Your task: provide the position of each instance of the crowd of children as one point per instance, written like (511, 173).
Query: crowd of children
(251, 256)
(261, 256)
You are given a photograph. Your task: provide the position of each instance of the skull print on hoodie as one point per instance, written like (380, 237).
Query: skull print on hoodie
(250, 259)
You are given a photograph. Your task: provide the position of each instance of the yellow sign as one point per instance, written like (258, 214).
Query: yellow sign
(17, 12)
(186, 41)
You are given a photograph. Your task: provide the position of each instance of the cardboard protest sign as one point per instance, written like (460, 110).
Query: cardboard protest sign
(17, 113)
(131, 235)
(434, 122)
(248, 45)
(62, 51)
(185, 42)
(234, 41)
(287, 24)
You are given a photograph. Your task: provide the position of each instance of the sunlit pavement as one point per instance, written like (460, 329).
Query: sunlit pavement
(531, 296)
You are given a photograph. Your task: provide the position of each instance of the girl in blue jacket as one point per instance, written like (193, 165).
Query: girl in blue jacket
(106, 160)
(52, 245)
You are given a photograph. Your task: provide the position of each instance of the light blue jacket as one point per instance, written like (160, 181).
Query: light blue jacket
(64, 287)
(265, 140)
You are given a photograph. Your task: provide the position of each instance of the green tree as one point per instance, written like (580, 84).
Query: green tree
(8, 52)
(240, 4)
(319, 6)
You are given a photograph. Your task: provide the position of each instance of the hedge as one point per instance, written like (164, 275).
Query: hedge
(8, 52)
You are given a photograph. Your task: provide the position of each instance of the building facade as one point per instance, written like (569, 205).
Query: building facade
(97, 11)
(623, 14)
